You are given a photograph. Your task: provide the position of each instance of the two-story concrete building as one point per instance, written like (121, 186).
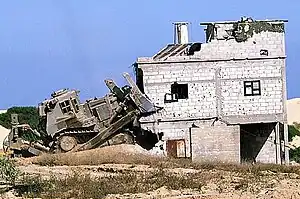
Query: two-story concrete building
(224, 99)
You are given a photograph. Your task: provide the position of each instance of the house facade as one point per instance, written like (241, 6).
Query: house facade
(224, 99)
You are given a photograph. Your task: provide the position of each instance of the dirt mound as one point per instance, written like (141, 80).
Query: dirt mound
(117, 154)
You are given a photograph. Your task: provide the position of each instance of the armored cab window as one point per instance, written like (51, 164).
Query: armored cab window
(65, 106)
(75, 105)
(252, 88)
(180, 90)
(94, 112)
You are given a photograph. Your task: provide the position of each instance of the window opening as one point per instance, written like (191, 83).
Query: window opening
(180, 90)
(75, 105)
(252, 88)
(65, 106)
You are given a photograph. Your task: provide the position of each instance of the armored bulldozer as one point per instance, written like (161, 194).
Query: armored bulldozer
(67, 125)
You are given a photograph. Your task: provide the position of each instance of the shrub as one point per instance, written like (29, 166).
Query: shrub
(295, 154)
(293, 131)
(8, 171)
(78, 185)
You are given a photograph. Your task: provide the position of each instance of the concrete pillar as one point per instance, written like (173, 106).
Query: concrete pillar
(286, 142)
(278, 143)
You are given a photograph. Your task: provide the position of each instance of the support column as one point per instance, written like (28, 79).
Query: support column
(285, 125)
(278, 143)
(286, 144)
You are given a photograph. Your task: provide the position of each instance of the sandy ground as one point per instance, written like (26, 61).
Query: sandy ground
(223, 184)
(276, 186)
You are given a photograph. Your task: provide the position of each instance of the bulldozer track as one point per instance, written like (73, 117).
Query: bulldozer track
(76, 133)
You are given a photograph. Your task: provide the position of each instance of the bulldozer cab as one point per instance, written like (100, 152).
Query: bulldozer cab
(61, 111)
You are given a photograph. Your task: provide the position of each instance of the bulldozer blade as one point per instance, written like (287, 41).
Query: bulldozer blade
(115, 89)
(142, 102)
(107, 133)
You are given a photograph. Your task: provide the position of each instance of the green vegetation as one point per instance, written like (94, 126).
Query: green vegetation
(295, 155)
(294, 130)
(27, 115)
(297, 125)
(8, 171)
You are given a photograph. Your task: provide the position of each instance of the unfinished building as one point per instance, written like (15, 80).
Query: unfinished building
(224, 99)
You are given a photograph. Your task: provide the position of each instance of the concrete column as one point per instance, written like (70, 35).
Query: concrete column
(285, 125)
(286, 142)
(277, 143)
(218, 92)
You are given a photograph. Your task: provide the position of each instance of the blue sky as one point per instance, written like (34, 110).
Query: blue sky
(48, 45)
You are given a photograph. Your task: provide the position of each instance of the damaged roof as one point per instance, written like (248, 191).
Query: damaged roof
(177, 50)
(182, 47)
(231, 22)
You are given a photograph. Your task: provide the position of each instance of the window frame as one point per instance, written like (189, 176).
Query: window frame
(250, 84)
(181, 90)
(75, 104)
(64, 107)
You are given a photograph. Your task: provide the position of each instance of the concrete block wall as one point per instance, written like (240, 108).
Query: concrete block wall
(216, 89)
(174, 130)
(271, 144)
(201, 102)
(267, 154)
(232, 77)
(217, 143)
(270, 101)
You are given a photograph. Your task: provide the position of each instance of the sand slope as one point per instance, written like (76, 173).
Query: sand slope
(3, 133)
(293, 110)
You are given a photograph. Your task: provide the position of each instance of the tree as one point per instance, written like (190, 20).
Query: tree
(28, 115)
(294, 131)
(297, 125)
